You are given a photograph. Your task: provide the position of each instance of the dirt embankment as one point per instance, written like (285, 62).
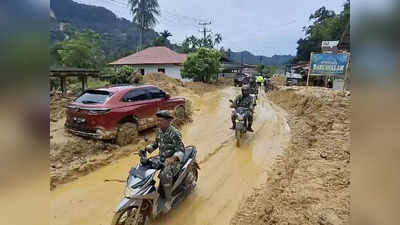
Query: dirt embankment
(310, 183)
(72, 156)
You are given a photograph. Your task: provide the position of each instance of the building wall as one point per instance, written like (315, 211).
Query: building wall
(173, 71)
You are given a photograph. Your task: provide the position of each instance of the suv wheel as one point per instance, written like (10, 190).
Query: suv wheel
(180, 112)
(127, 133)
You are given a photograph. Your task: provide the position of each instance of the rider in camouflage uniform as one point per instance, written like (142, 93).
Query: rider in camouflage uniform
(246, 101)
(171, 148)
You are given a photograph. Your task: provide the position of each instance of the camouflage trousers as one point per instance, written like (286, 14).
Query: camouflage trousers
(169, 172)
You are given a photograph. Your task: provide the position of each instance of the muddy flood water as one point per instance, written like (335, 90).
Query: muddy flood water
(228, 173)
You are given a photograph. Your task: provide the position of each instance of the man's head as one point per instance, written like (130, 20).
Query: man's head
(164, 119)
(245, 90)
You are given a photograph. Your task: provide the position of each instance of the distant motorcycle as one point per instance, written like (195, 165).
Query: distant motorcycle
(242, 115)
(143, 200)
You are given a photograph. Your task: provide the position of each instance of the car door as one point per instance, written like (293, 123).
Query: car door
(161, 96)
(137, 103)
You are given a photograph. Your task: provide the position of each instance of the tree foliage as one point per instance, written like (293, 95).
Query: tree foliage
(123, 75)
(192, 43)
(82, 50)
(327, 26)
(162, 40)
(203, 65)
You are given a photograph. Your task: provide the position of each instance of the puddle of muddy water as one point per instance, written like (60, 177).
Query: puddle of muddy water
(227, 172)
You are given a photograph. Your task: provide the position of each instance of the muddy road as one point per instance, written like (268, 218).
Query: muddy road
(227, 173)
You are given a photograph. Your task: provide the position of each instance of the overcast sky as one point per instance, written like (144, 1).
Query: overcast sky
(263, 27)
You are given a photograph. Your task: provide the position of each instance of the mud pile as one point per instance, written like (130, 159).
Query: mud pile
(279, 81)
(168, 84)
(310, 183)
(57, 110)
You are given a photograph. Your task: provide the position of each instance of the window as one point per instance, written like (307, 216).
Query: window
(161, 70)
(156, 93)
(93, 97)
(142, 71)
(135, 95)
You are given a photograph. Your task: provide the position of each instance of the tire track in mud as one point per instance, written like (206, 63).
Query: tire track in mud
(227, 172)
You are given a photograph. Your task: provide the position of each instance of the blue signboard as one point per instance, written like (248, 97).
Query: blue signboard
(329, 64)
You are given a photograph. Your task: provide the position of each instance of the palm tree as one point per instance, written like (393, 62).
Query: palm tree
(218, 38)
(144, 14)
(165, 34)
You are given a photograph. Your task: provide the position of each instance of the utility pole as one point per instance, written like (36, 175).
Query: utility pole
(205, 31)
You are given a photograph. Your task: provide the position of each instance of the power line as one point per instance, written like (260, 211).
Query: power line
(205, 30)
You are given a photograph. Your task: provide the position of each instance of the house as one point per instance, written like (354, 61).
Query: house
(229, 69)
(155, 59)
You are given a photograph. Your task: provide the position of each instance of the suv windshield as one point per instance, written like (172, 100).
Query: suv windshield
(93, 97)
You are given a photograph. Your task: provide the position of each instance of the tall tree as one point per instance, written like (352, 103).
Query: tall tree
(218, 39)
(327, 26)
(144, 14)
(165, 34)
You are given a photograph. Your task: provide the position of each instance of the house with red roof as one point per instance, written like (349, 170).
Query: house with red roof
(155, 59)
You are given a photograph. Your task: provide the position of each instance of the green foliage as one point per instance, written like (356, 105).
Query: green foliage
(81, 50)
(122, 75)
(327, 26)
(192, 44)
(203, 65)
(162, 40)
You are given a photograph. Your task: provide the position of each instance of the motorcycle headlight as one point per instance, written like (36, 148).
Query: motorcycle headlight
(240, 117)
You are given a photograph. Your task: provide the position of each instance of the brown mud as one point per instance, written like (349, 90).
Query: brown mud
(227, 174)
(72, 157)
(310, 182)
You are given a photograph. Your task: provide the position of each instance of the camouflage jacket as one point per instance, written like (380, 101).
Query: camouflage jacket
(241, 101)
(169, 142)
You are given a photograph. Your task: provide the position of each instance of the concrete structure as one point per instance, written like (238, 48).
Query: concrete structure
(155, 59)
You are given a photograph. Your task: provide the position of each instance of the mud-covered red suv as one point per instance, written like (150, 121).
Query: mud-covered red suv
(119, 112)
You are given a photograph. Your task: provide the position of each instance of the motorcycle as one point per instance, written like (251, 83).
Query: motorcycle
(241, 123)
(143, 200)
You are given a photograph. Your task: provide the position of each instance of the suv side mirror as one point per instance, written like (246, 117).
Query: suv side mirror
(167, 96)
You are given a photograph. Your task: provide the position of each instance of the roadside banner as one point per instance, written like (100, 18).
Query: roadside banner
(329, 64)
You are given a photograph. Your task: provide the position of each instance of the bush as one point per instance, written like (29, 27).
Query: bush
(122, 75)
(203, 65)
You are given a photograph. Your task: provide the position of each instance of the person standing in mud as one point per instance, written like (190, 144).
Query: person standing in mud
(244, 100)
(171, 148)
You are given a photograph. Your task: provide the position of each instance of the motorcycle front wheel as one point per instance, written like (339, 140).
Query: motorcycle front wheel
(127, 217)
(238, 136)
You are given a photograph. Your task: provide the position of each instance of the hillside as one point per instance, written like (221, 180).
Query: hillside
(119, 34)
(249, 58)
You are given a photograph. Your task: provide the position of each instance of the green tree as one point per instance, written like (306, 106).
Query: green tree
(203, 65)
(82, 50)
(144, 14)
(122, 75)
(191, 44)
(165, 34)
(327, 26)
(162, 40)
(217, 39)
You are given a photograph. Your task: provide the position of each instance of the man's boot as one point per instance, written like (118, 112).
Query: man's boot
(233, 125)
(249, 129)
